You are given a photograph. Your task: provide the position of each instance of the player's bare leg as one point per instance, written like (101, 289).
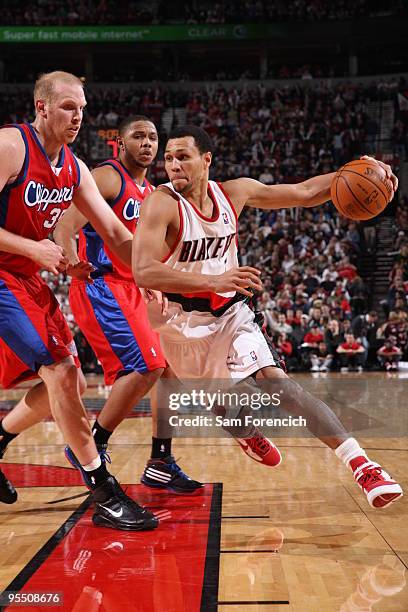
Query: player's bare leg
(67, 409)
(33, 407)
(126, 392)
(380, 489)
(30, 410)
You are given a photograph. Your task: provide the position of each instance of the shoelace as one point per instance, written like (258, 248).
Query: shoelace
(128, 501)
(105, 456)
(370, 474)
(173, 466)
(259, 443)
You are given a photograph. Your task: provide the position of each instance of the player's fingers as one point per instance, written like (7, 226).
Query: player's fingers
(250, 270)
(243, 291)
(386, 168)
(165, 306)
(145, 295)
(394, 181)
(85, 265)
(250, 279)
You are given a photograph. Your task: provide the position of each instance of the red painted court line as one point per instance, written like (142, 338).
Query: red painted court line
(101, 570)
(31, 475)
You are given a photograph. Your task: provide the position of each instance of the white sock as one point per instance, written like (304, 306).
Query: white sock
(348, 450)
(93, 465)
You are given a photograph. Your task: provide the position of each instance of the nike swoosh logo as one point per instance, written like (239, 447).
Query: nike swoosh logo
(113, 512)
(248, 450)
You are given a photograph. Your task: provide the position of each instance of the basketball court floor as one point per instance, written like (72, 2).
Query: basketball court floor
(300, 537)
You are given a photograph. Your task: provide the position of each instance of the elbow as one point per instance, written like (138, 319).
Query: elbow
(143, 276)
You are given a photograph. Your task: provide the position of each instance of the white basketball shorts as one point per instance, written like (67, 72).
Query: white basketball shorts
(199, 345)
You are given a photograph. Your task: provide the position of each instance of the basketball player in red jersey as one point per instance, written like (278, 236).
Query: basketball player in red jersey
(39, 177)
(109, 307)
(186, 246)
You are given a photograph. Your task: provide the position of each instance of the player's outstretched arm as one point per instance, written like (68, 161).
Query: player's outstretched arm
(249, 192)
(91, 204)
(156, 235)
(312, 192)
(45, 253)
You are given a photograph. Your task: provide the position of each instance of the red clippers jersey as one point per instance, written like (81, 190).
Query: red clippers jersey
(33, 203)
(126, 206)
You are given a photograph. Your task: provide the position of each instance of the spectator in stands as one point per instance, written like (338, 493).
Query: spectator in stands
(284, 348)
(310, 344)
(333, 338)
(299, 332)
(280, 325)
(320, 358)
(389, 354)
(350, 352)
(364, 328)
(358, 295)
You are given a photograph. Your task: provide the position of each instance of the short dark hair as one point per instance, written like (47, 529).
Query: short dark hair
(127, 121)
(202, 140)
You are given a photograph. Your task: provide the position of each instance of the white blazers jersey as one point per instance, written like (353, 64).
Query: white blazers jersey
(209, 335)
(205, 246)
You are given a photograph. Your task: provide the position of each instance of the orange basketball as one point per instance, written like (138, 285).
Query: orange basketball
(360, 190)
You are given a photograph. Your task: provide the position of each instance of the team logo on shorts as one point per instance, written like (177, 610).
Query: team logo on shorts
(153, 352)
(226, 218)
(253, 355)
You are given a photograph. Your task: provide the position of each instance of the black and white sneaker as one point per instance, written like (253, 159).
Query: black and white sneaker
(8, 494)
(166, 474)
(115, 509)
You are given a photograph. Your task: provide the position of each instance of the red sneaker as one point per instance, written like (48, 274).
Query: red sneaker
(260, 449)
(380, 488)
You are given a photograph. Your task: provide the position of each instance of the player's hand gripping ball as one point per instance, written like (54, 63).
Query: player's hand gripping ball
(362, 189)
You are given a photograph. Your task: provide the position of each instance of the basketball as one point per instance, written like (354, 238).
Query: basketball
(360, 190)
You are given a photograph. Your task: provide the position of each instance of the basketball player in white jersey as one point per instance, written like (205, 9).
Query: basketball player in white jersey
(186, 246)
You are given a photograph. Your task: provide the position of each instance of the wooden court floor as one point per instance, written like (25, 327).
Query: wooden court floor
(299, 537)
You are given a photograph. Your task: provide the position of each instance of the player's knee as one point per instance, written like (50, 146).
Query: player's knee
(63, 378)
(154, 375)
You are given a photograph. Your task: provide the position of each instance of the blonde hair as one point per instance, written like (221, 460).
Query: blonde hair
(44, 87)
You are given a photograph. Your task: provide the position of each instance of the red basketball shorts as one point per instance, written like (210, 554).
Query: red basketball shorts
(112, 316)
(33, 331)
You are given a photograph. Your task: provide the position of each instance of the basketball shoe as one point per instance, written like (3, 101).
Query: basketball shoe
(104, 455)
(115, 509)
(381, 490)
(260, 449)
(166, 474)
(8, 494)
